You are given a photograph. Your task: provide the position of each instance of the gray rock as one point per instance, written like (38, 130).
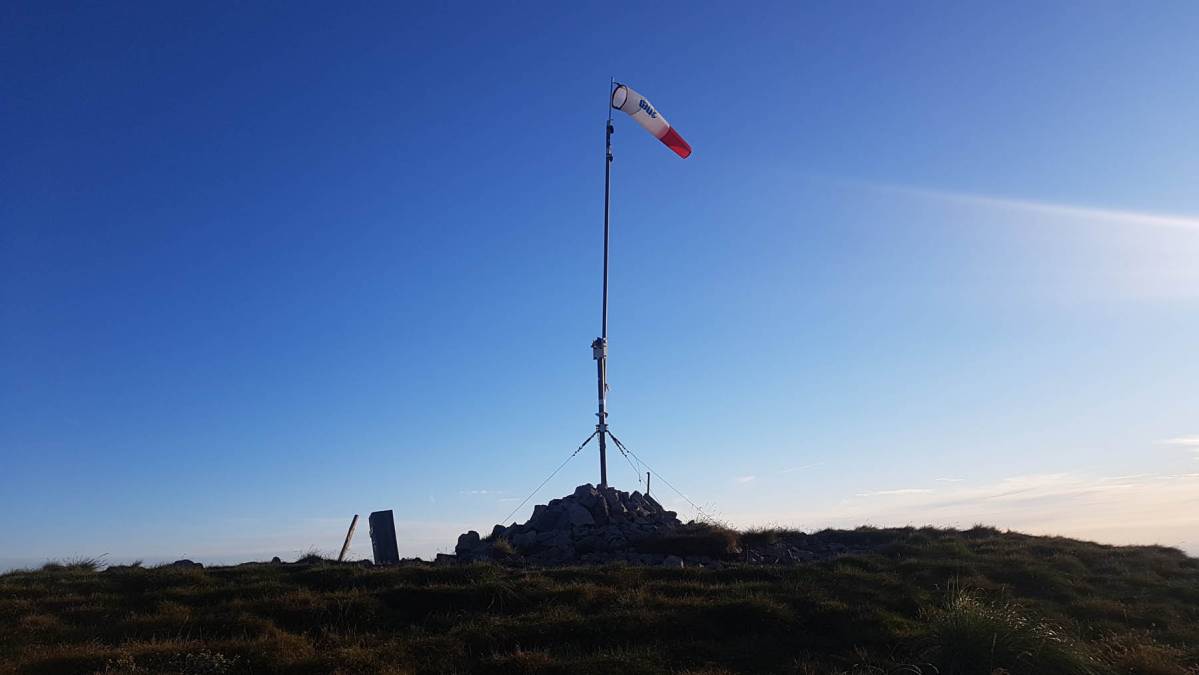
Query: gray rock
(613, 498)
(589, 544)
(467, 543)
(673, 561)
(578, 515)
(560, 538)
(525, 540)
(544, 517)
(599, 511)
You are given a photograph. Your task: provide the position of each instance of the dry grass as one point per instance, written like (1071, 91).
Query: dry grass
(696, 539)
(930, 601)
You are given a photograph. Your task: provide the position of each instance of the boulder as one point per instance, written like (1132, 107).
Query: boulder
(543, 518)
(599, 511)
(578, 515)
(559, 538)
(589, 544)
(525, 540)
(467, 543)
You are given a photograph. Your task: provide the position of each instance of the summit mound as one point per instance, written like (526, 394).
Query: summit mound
(601, 525)
(592, 525)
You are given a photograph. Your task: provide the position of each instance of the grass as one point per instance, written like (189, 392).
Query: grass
(926, 602)
(709, 540)
(80, 564)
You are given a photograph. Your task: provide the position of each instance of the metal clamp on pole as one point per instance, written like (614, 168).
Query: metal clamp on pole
(599, 351)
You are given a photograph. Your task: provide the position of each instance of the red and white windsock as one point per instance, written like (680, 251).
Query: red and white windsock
(645, 114)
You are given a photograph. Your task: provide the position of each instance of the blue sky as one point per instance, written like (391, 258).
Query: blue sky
(265, 266)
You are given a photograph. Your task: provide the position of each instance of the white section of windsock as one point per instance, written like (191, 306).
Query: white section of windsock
(642, 111)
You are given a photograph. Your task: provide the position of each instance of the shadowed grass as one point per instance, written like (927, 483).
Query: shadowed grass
(694, 539)
(1034, 605)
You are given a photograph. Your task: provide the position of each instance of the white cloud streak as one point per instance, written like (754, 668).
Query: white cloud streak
(1189, 442)
(899, 491)
(793, 469)
(1122, 217)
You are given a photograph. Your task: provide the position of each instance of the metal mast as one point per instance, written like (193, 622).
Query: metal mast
(599, 348)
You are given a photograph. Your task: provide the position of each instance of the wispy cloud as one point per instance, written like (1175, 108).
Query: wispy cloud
(793, 469)
(745, 479)
(1190, 442)
(482, 492)
(1118, 216)
(1083, 251)
(949, 480)
(1125, 478)
(898, 491)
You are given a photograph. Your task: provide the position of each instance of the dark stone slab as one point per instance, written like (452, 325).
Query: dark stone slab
(383, 538)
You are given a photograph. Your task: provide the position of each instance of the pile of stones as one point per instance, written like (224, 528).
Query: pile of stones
(605, 525)
(593, 525)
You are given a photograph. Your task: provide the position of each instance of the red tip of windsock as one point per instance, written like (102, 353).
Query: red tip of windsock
(645, 114)
(675, 142)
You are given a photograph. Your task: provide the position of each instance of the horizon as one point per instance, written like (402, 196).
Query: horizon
(263, 269)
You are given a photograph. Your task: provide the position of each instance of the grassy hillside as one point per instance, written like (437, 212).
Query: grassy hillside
(924, 601)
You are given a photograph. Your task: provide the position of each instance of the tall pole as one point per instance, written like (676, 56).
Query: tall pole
(599, 348)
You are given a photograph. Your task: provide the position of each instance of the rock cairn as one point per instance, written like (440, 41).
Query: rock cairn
(593, 525)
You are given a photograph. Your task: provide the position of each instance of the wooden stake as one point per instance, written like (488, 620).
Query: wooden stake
(646, 483)
(349, 535)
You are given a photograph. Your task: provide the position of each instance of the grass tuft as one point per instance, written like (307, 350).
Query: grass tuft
(971, 636)
(694, 539)
(79, 564)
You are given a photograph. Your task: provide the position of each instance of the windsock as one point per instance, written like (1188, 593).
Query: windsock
(645, 114)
